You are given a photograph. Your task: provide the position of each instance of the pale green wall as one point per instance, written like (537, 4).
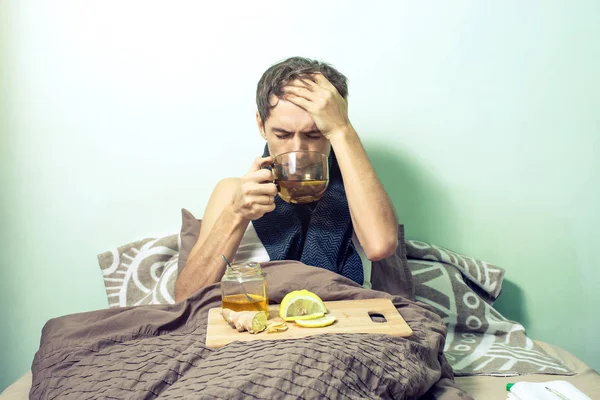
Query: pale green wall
(481, 119)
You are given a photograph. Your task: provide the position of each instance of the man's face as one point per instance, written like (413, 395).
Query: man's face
(290, 128)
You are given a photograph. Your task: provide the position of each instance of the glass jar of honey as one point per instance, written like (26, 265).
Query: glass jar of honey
(244, 288)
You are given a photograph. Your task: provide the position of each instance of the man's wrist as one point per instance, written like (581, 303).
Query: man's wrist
(342, 134)
(234, 216)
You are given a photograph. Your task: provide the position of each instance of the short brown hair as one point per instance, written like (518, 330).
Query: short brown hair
(278, 75)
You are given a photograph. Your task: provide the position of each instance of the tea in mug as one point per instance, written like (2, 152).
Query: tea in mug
(301, 191)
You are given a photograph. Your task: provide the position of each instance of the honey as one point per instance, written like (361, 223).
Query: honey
(244, 288)
(239, 302)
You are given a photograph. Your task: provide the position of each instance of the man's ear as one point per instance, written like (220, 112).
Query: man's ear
(261, 126)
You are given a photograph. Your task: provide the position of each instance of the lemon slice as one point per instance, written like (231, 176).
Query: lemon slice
(306, 317)
(317, 323)
(301, 305)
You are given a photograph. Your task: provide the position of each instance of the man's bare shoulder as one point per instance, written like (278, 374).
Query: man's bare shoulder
(225, 189)
(227, 184)
(221, 195)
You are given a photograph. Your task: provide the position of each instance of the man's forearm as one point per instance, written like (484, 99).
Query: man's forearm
(205, 264)
(373, 215)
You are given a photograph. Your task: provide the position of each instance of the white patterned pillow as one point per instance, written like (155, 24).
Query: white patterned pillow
(482, 277)
(479, 340)
(141, 272)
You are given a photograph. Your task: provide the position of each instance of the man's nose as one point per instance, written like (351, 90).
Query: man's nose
(300, 142)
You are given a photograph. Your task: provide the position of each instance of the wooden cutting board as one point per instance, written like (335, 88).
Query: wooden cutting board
(353, 316)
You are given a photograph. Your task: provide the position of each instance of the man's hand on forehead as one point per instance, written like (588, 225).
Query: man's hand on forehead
(322, 100)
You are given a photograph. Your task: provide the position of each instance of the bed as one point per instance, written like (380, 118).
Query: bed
(480, 387)
(447, 299)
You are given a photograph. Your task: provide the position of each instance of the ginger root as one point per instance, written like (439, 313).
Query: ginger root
(251, 321)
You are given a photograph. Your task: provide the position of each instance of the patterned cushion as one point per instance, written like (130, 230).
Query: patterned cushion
(141, 272)
(484, 278)
(479, 339)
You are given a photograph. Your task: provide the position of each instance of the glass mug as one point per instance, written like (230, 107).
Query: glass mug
(301, 176)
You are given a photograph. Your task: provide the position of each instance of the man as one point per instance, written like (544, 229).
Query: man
(302, 105)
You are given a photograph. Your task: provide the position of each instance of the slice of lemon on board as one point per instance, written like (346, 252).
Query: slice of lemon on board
(301, 305)
(317, 323)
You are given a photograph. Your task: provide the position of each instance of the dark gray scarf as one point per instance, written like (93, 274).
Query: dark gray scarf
(318, 234)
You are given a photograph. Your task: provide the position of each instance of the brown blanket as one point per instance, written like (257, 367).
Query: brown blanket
(158, 351)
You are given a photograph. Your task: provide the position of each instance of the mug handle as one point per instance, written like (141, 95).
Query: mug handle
(266, 165)
(269, 166)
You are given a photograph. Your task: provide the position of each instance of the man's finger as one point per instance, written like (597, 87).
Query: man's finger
(266, 200)
(258, 163)
(259, 200)
(265, 208)
(305, 83)
(259, 176)
(322, 81)
(325, 84)
(299, 101)
(299, 91)
(268, 189)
